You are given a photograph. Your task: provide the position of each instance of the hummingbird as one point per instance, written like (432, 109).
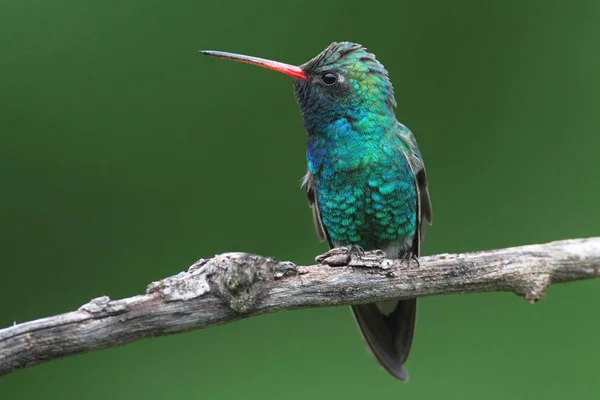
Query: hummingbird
(366, 181)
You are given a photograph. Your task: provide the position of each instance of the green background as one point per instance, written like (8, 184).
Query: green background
(125, 156)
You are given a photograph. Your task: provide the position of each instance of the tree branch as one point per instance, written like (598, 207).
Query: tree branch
(232, 286)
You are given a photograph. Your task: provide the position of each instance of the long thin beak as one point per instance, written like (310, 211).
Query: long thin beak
(287, 69)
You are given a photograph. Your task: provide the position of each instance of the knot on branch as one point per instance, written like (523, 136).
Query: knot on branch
(534, 288)
(239, 278)
(532, 282)
(236, 278)
(103, 306)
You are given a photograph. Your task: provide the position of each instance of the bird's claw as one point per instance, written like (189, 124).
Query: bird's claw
(410, 256)
(356, 250)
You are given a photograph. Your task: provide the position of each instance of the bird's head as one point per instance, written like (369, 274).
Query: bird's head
(343, 81)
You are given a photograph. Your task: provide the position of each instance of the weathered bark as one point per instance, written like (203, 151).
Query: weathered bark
(231, 286)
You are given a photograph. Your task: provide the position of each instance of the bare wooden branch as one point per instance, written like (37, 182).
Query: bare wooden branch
(232, 286)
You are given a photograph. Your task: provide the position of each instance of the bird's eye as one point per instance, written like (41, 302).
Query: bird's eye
(329, 78)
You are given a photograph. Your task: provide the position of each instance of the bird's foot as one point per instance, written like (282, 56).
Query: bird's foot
(355, 250)
(410, 256)
(351, 255)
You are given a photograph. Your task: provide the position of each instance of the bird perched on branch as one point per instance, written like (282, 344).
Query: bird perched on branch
(366, 180)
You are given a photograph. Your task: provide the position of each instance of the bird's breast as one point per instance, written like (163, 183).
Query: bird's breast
(365, 190)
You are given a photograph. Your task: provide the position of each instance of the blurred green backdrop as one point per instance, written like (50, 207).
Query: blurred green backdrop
(125, 156)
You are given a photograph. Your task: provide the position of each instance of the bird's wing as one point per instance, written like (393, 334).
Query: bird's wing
(311, 192)
(415, 160)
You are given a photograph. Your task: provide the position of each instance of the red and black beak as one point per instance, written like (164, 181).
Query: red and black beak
(291, 70)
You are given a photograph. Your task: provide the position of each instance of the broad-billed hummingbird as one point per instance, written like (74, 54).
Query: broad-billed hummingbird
(366, 181)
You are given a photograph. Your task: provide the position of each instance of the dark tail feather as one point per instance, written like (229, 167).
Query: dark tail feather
(388, 336)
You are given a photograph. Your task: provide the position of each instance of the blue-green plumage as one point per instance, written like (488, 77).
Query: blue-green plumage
(366, 180)
(364, 186)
